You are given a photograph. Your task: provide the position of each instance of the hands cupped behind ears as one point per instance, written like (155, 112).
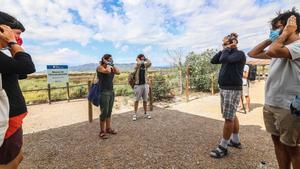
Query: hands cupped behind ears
(6, 34)
(291, 26)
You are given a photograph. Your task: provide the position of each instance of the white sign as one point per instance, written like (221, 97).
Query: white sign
(57, 73)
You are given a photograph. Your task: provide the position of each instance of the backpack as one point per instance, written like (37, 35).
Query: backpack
(252, 72)
(131, 78)
(4, 112)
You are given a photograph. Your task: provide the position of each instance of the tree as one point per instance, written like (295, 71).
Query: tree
(175, 57)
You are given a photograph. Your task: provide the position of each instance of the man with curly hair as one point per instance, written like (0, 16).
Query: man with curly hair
(282, 86)
(230, 83)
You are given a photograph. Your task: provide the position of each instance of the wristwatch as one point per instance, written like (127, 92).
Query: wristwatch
(10, 44)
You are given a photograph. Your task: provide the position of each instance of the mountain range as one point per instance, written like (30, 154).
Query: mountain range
(90, 67)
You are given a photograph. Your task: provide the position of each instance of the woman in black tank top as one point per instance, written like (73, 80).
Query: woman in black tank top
(106, 72)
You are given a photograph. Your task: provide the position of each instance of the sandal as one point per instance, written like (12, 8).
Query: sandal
(111, 131)
(103, 135)
(219, 152)
(235, 145)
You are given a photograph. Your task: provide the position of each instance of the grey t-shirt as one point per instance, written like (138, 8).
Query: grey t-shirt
(283, 82)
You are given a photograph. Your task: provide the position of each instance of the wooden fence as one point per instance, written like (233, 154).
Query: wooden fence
(89, 83)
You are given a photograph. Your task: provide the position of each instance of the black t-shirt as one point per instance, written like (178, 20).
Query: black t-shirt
(142, 78)
(11, 68)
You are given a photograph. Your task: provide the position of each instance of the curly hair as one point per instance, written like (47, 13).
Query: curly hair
(233, 36)
(284, 16)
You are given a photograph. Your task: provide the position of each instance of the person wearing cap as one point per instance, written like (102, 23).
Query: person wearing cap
(141, 87)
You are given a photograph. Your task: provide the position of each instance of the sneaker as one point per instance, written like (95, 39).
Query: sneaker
(147, 115)
(134, 117)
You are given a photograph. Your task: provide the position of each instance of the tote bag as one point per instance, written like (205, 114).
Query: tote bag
(94, 93)
(4, 112)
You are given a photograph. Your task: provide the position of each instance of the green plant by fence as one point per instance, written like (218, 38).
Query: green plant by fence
(164, 86)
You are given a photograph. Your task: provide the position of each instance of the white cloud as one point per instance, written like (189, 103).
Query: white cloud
(120, 46)
(147, 50)
(62, 56)
(202, 23)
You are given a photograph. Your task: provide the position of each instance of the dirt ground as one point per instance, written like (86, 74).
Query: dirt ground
(179, 136)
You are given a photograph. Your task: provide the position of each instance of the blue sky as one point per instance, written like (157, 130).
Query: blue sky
(76, 32)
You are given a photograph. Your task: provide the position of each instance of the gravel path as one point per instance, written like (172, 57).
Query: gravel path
(172, 139)
(178, 137)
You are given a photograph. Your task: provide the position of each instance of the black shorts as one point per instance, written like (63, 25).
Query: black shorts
(11, 147)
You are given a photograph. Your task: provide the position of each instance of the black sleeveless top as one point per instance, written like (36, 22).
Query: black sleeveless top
(106, 81)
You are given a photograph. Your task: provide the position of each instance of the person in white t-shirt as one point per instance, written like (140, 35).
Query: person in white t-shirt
(282, 85)
(246, 88)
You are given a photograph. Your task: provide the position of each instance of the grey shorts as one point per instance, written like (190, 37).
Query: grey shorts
(246, 90)
(141, 92)
(230, 100)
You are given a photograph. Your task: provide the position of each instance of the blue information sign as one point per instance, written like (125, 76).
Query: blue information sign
(57, 73)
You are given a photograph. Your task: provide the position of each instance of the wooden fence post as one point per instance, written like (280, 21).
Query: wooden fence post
(187, 86)
(259, 73)
(264, 73)
(68, 91)
(212, 84)
(151, 95)
(49, 93)
(90, 108)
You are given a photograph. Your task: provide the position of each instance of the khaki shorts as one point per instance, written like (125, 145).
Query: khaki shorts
(141, 92)
(280, 122)
(246, 90)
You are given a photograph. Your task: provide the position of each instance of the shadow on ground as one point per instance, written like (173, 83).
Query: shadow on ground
(256, 105)
(172, 139)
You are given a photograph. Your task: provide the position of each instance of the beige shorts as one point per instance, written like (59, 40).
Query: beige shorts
(246, 90)
(280, 122)
(141, 92)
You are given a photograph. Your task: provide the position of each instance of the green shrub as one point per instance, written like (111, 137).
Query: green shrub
(123, 90)
(202, 71)
(161, 87)
(78, 92)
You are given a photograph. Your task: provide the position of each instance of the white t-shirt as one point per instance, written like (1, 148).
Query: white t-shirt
(283, 82)
(245, 80)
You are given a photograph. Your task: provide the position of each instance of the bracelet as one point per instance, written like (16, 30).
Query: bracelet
(10, 44)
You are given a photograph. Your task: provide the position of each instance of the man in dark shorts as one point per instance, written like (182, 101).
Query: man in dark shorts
(230, 83)
(11, 67)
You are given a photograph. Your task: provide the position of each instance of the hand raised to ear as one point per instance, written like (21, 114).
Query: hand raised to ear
(6, 34)
(291, 25)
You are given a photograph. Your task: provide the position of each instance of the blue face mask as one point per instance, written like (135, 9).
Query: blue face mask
(111, 63)
(274, 34)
